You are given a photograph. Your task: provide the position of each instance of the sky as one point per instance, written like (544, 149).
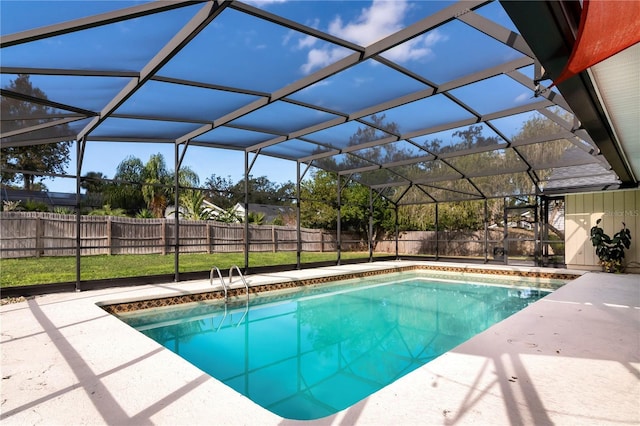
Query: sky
(219, 56)
(105, 157)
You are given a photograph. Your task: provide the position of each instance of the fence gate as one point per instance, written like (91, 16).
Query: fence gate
(552, 231)
(521, 234)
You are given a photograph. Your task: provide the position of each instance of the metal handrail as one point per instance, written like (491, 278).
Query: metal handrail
(224, 286)
(241, 276)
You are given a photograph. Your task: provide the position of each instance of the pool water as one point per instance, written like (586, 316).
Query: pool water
(322, 349)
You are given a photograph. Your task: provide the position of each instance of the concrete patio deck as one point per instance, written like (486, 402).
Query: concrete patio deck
(572, 358)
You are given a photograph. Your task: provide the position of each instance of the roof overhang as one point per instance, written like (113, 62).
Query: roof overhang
(606, 97)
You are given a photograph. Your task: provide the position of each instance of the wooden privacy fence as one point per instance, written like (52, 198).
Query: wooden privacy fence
(459, 243)
(34, 234)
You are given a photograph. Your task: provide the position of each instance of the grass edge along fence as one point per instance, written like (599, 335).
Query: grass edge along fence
(61, 269)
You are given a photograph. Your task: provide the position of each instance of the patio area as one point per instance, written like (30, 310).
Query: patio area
(570, 358)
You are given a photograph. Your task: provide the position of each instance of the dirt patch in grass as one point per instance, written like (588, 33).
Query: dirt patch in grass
(9, 300)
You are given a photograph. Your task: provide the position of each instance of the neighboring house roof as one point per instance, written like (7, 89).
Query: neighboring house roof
(270, 211)
(215, 210)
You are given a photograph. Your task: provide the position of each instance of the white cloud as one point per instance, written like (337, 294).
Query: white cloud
(381, 19)
(522, 97)
(374, 23)
(318, 58)
(417, 48)
(306, 42)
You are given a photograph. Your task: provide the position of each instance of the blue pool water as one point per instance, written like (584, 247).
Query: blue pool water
(322, 349)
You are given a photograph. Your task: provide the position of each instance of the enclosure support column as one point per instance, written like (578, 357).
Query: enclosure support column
(544, 237)
(207, 228)
(274, 240)
(486, 231)
(80, 144)
(298, 214)
(536, 233)
(505, 232)
(437, 236)
(339, 225)
(39, 237)
(370, 225)
(397, 228)
(247, 239)
(246, 212)
(176, 221)
(164, 237)
(109, 232)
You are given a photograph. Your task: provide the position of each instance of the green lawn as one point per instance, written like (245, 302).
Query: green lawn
(47, 270)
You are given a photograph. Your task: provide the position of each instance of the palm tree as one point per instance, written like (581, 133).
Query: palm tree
(144, 214)
(191, 201)
(156, 179)
(228, 216)
(256, 218)
(106, 210)
(150, 184)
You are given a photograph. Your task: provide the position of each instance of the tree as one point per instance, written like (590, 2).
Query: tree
(256, 218)
(225, 194)
(461, 215)
(156, 178)
(40, 159)
(125, 192)
(458, 215)
(470, 137)
(191, 202)
(379, 154)
(284, 193)
(149, 185)
(228, 216)
(94, 185)
(263, 191)
(186, 178)
(93, 182)
(144, 214)
(318, 201)
(417, 217)
(219, 190)
(106, 210)
(319, 206)
(319, 194)
(469, 215)
(549, 154)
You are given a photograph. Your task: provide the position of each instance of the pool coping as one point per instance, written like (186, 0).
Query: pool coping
(136, 304)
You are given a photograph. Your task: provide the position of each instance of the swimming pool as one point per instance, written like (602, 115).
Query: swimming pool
(310, 352)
